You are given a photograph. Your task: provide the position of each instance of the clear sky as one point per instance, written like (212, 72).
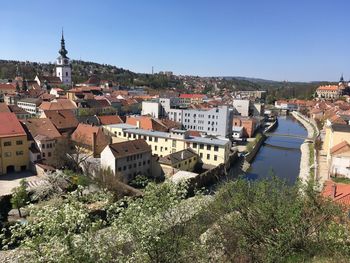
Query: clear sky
(295, 40)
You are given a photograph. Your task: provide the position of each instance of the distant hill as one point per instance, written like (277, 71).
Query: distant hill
(9, 69)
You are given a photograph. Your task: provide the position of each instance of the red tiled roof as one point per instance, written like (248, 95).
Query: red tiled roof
(7, 86)
(60, 104)
(340, 147)
(328, 88)
(147, 123)
(10, 125)
(339, 193)
(192, 96)
(123, 149)
(62, 119)
(110, 119)
(84, 135)
(42, 127)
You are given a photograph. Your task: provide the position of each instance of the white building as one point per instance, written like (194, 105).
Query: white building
(63, 65)
(30, 105)
(242, 107)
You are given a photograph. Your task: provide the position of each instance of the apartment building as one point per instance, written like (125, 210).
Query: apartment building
(127, 159)
(30, 105)
(211, 151)
(14, 155)
(212, 121)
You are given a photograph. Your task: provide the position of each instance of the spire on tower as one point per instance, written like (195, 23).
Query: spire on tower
(342, 78)
(63, 52)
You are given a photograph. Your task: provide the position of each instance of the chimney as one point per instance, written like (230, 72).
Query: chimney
(334, 190)
(182, 155)
(94, 139)
(138, 124)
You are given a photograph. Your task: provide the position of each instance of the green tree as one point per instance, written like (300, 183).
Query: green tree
(20, 196)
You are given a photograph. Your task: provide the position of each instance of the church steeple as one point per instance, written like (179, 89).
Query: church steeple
(341, 78)
(63, 52)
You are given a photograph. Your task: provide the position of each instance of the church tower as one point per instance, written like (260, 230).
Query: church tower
(63, 66)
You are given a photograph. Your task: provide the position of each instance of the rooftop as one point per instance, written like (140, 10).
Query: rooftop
(123, 149)
(177, 157)
(12, 128)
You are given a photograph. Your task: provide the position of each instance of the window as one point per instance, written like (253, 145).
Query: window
(216, 148)
(195, 145)
(201, 146)
(49, 154)
(208, 147)
(150, 138)
(7, 143)
(19, 142)
(155, 148)
(174, 144)
(43, 146)
(144, 162)
(155, 139)
(201, 155)
(215, 157)
(161, 148)
(134, 165)
(166, 148)
(148, 161)
(44, 155)
(139, 163)
(208, 156)
(7, 154)
(124, 168)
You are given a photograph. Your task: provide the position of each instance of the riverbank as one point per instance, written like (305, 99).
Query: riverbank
(304, 173)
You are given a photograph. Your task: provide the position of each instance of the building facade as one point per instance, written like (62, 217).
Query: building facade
(14, 150)
(127, 159)
(211, 151)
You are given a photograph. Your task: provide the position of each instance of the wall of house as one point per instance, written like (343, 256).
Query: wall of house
(339, 166)
(14, 152)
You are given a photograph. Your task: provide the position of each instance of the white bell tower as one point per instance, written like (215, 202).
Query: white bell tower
(63, 65)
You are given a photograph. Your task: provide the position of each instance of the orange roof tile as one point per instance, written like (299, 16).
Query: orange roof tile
(110, 119)
(339, 193)
(328, 88)
(340, 147)
(12, 126)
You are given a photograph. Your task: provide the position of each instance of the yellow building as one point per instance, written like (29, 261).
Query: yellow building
(335, 134)
(14, 150)
(210, 151)
(185, 160)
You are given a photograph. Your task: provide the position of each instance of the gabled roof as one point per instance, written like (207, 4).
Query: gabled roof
(177, 157)
(7, 86)
(147, 123)
(339, 193)
(110, 119)
(192, 96)
(10, 126)
(62, 119)
(127, 148)
(50, 79)
(43, 127)
(59, 104)
(328, 88)
(340, 148)
(84, 135)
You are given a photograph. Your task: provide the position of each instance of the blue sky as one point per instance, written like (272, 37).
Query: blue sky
(295, 40)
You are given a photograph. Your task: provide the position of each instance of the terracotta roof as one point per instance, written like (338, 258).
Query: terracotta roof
(17, 110)
(4, 108)
(194, 133)
(7, 86)
(50, 79)
(84, 135)
(93, 80)
(123, 149)
(110, 119)
(339, 193)
(328, 88)
(10, 125)
(59, 104)
(146, 123)
(192, 96)
(62, 119)
(340, 147)
(177, 157)
(43, 127)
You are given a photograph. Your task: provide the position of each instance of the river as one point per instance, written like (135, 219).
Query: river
(283, 160)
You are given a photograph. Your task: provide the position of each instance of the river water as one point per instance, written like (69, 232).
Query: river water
(280, 154)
